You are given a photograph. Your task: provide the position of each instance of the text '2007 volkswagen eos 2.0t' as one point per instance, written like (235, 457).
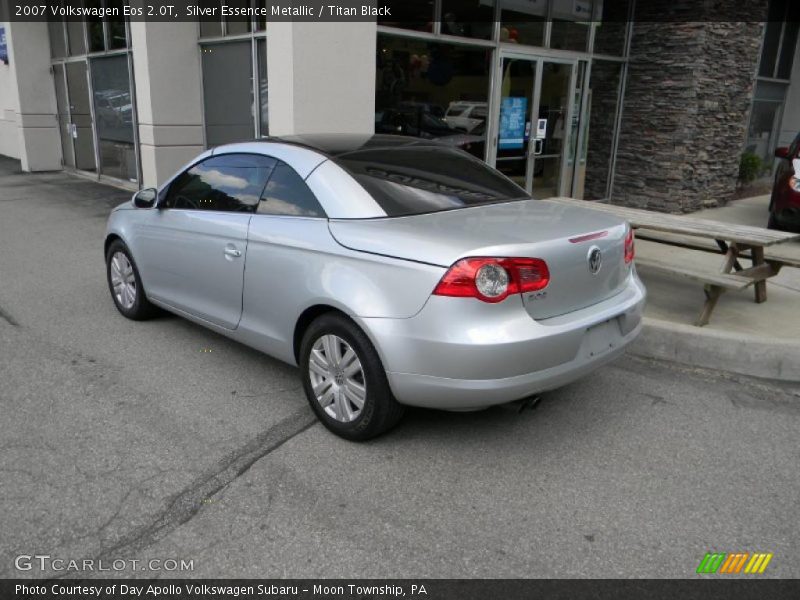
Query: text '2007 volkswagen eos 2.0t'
(393, 271)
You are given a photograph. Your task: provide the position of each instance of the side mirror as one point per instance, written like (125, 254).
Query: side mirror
(145, 198)
(782, 152)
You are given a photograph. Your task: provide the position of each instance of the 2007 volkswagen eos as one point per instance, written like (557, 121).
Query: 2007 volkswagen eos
(393, 271)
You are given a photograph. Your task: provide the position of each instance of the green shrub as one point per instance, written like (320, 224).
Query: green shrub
(750, 167)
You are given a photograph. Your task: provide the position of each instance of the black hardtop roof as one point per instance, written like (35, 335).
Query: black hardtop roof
(337, 144)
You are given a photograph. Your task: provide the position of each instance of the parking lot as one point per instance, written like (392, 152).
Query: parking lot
(162, 440)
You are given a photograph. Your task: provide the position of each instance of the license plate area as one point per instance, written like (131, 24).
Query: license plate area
(601, 338)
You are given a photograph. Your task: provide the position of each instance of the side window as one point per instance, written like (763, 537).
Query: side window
(228, 182)
(287, 194)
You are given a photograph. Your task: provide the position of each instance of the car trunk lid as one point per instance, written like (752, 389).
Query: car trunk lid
(563, 236)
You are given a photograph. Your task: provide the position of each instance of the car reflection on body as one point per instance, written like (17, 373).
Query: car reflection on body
(393, 271)
(415, 119)
(466, 116)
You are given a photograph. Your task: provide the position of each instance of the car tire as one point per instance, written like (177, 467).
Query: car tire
(335, 382)
(125, 284)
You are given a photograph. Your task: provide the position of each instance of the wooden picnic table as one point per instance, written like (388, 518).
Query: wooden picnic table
(731, 240)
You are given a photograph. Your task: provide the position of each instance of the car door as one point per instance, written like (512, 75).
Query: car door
(192, 248)
(785, 168)
(287, 233)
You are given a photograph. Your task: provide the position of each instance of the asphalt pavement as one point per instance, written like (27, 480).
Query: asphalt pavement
(162, 440)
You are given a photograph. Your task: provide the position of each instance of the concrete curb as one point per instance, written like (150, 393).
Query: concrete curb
(734, 352)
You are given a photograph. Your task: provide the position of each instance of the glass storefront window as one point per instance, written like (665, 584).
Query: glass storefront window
(94, 28)
(234, 25)
(411, 14)
(80, 113)
(236, 98)
(571, 22)
(780, 39)
(523, 21)
(263, 97)
(261, 22)
(517, 100)
(93, 93)
(594, 168)
(574, 126)
(113, 109)
(210, 28)
(228, 92)
(772, 38)
(115, 30)
(237, 26)
(117, 38)
(555, 104)
(790, 31)
(612, 28)
(468, 18)
(97, 42)
(765, 118)
(433, 90)
(761, 133)
(64, 123)
(77, 43)
(58, 47)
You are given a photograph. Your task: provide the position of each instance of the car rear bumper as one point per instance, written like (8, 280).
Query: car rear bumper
(788, 217)
(461, 354)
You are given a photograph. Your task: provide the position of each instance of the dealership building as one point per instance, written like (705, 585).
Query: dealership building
(647, 104)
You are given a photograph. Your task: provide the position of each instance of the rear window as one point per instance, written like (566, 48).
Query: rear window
(416, 180)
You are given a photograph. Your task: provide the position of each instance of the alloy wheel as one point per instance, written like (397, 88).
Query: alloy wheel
(123, 280)
(337, 378)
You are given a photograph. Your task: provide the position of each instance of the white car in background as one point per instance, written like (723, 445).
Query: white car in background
(466, 115)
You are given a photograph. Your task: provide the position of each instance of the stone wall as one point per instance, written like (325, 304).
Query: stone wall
(686, 107)
(604, 84)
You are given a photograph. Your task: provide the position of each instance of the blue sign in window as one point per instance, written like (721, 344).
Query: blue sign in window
(3, 46)
(513, 118)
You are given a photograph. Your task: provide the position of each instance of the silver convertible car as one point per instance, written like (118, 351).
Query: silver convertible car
(393, 271)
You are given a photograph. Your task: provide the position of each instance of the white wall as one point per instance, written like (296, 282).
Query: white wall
(790, 125)
(321, 77)
(32, 104)
(9, 106)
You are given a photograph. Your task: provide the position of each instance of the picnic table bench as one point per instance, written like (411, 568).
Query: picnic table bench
(733, 241)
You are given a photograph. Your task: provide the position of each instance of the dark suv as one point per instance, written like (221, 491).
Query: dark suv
(784, 205)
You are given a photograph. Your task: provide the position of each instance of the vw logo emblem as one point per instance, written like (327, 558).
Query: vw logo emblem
(595, 260)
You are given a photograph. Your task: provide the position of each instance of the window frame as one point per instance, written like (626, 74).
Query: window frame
(344, 163)
(164, 193)
(279, 162)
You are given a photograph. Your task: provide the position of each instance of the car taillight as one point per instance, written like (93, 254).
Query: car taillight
(629, 247)
(493, 279)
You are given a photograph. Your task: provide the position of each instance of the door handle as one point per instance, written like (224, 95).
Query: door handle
(233, 252)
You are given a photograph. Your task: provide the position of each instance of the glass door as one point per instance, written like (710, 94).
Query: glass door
(114, 117)
(64, 120)
(80, 110)
(534, 123)
(514, 151)
(554, 130)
